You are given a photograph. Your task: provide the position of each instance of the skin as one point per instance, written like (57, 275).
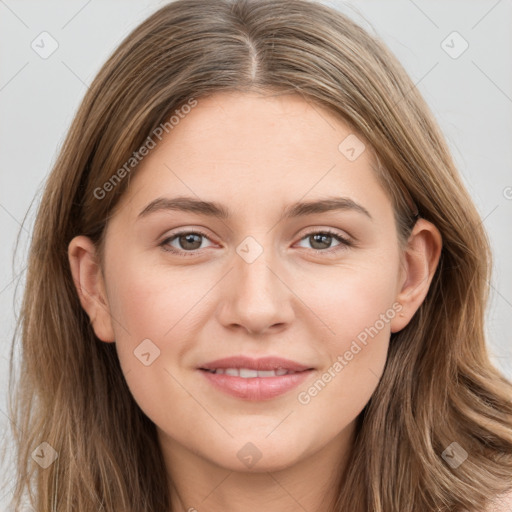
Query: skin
(255, 154)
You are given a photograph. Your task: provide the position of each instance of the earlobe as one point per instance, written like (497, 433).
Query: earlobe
(90, 286)
(421, 259)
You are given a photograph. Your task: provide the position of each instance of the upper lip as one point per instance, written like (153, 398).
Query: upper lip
(263, 363)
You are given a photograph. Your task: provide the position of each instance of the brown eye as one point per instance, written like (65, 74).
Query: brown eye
(184, 242)
(190, 241)
(322, 241)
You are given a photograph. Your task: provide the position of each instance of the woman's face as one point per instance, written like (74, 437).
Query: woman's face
(186, 286)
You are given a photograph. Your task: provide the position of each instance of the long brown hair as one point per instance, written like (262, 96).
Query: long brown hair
(438, 386)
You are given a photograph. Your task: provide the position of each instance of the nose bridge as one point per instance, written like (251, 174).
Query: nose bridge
(257, 298)
(253, 265)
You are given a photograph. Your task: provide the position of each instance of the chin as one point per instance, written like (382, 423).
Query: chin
(259, 454)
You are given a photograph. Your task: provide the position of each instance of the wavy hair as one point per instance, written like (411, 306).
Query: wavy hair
(438, 385)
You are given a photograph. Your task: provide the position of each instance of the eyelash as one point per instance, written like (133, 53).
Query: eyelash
(344, 242)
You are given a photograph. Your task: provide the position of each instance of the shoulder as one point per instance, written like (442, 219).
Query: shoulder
(502, 503)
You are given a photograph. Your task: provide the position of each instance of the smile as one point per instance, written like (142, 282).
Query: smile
(254, 385)
(247, 373)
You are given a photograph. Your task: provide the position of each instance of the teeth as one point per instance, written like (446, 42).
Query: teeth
(267, 373)
(247, 373)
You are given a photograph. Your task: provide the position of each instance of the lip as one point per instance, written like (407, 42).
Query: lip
(255, 388)
(262, 363)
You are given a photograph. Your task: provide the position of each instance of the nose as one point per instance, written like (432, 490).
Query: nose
(255, 295)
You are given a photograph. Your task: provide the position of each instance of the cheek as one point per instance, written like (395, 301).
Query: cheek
(352, 298)
(148, 301)
(150, 321)
(355, 357)
(148, 308)
(357, 305)
(155, 309)
(337, 395)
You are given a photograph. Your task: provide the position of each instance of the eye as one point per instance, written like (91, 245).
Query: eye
(321, 241)
(191, 241)
(188, 242)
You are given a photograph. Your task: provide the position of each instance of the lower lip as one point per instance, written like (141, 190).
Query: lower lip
(256, 388)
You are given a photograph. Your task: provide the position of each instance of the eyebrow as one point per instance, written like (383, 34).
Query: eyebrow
(216, 210)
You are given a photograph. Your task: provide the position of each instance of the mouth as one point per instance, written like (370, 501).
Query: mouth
(262, 364)
(247, 373)
(255, 379)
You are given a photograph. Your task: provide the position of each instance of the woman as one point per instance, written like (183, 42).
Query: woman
(319, 345)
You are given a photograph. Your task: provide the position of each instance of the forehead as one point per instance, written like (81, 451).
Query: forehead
(255, 149)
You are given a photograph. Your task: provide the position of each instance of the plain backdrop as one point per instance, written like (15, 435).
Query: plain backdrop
(458, 53)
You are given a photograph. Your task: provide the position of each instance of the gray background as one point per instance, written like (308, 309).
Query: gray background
(470, 95)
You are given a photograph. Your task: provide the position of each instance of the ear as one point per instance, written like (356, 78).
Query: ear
(89, 283)
(421, 258)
